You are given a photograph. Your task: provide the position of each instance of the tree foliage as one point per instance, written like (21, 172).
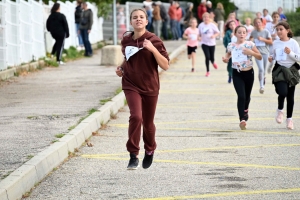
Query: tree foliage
(104, 6)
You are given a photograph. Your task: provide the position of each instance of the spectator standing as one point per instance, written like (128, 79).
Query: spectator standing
(219, 16)
(121, 22)
(231, 17)
(156, 19)
(86, 23)
(188, 15)
(150, 18)
(179, 13)
(266, 16)
(165, 19)
(201, 10)
(209, 8)
(57, 25)
(282, 16)
(78, 12)
(173, 20)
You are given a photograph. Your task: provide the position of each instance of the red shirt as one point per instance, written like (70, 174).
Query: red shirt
(140, 71)
(172, 12)
(201, 10)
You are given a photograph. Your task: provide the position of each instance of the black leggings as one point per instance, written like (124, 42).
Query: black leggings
(209, 53)
(243, 82)
(284, 91)
(58, 47)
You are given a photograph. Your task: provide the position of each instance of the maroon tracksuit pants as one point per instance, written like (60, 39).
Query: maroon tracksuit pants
(142, 110)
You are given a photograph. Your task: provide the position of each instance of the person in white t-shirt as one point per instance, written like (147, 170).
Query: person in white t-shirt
(286, 52)
(208, 32)
(241, 53)
(249, 27)
(267, 16)
(271, 28)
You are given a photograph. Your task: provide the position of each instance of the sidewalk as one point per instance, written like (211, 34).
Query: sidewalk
(201, 153)
(40, 105)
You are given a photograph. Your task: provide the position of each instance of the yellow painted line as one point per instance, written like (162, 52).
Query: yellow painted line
(199, 121)
(222, 130)
(217, 130)
(202, 149)
(205, 163)
(227, 194)
(211, 102)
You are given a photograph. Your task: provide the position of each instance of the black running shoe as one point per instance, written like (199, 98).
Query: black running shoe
(147, 161)
(133, 162)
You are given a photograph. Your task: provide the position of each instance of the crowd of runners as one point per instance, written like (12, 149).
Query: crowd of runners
(266, 38)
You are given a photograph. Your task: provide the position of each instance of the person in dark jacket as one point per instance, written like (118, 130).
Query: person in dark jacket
(86, 22)
(57, 25)
(78, 12)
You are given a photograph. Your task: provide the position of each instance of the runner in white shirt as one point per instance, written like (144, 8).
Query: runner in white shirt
(271, 28)
(286, 52)
(267, 16)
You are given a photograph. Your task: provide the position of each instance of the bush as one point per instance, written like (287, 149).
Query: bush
(293, 20)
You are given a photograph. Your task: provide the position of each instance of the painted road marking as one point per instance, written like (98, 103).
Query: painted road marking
(204, 163)
(216, 130)
(226, 194)
(199, 149)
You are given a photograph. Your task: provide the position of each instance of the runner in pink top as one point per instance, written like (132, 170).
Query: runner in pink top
(192, 36)
(208, 32)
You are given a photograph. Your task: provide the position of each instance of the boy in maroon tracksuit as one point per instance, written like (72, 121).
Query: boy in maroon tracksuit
(143, 52)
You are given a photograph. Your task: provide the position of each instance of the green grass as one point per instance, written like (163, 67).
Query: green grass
(30, 156)
(51, 63)
(60, 135)
(71, 127)
(118, 90)
(53, 141)
(103, 101)
(91, 111)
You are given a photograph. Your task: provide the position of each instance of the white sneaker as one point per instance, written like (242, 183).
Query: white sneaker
(261, 90)
(279, 116)
(61, 63)
(243, 125)
(289, 124)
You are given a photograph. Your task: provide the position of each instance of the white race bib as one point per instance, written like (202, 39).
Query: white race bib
(238, 56)
(193, 36)
(259, 43)
(280, 54)
(130, 51)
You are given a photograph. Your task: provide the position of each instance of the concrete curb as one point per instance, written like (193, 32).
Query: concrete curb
(37, 168)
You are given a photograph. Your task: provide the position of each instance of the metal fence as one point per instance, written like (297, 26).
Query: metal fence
(23, 34)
